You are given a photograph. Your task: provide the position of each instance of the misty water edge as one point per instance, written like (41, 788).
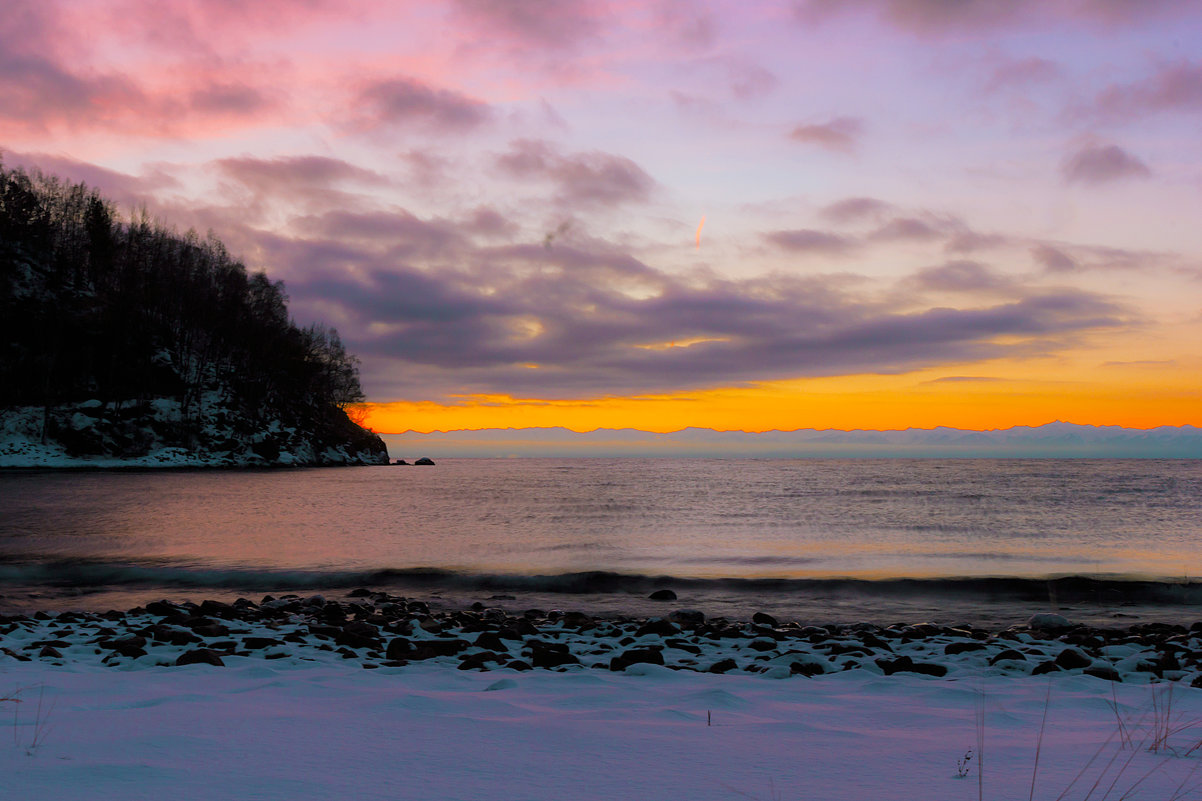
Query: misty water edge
(808, 537)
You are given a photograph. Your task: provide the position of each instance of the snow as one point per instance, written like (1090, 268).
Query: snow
(21, 440)
(275, 730)
(298, 720)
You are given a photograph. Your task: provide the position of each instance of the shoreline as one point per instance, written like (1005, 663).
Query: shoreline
(295, 698)
(374, 629)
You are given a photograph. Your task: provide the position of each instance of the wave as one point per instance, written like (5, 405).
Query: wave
(87, 575)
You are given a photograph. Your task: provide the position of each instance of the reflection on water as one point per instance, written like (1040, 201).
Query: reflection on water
(676, 517)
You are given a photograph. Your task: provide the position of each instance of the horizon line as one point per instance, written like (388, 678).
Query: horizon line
(789, 431)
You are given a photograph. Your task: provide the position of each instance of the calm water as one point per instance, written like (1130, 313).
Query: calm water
(759, 531)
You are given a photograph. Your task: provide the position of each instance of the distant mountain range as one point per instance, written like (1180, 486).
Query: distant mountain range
(1049, 441)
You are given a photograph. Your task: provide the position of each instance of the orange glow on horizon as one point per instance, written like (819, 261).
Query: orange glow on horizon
(917, 400)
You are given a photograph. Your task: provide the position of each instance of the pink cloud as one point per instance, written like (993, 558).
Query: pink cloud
(406, 101)
(805, 240)
(840, 134)
(1173, 87)
(1053, 259)
(941, 17)
(1097, 163)
(288, 173)
(539, 23)
(856, 209)
(907, 228)
(593, 178)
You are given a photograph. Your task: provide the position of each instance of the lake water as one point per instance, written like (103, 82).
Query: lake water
(845, 538)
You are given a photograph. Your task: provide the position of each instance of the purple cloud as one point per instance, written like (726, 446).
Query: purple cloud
(405, 101)
(1053, 259)
(910, 228)
(595, 178)
(538, 23)
(810, 241)
(599, 320)
(961, 276)
(36, 90)
(856, 209)
(287, 173)
(946, 17)
(228, 98)
(840, 134)
(1097, 163)
(1174, 87)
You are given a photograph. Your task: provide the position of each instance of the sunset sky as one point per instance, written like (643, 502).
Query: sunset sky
(970, 213)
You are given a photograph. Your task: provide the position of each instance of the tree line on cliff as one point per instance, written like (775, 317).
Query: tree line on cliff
(96, 307)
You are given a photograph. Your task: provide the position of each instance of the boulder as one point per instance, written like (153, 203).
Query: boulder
(953, 648)
(1071, 658)
(688, 618)
(424, 461)
(662, 595)
(658, 625)
(199, 656)
(634, 656)
(1049, 621)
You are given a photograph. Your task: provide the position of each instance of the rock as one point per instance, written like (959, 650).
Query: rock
(1009, 653)
(127, 646)
(907, 665)
(634, 656)
(763, 619)
(398, 648)
(217, 609)
(165, 609)
(549, 655)
(49, 652)
(1103, 672)
(1071, 658)
(577, 620)
(259, 643)
(658, 625)
(1049, 666)
(358, 634)
(199, 656)
(477, 661)
(424, 461)
(173, 635)
(953, 648)
(722, 666)
(401, 461)
(1049, 621)
(762, 644)
(807, 669)
(688, 618)
(662, 595)
(490, 641)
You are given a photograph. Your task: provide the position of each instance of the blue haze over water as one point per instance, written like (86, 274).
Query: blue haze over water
(848, 538)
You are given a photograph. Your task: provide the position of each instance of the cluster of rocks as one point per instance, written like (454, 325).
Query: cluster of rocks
(375, 629)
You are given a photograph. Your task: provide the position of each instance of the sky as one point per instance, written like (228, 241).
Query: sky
(730, 215)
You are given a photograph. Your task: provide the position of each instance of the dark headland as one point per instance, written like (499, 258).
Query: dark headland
(125, 343)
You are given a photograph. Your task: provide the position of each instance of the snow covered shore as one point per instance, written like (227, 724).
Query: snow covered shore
(158, 433)
(292, 713)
